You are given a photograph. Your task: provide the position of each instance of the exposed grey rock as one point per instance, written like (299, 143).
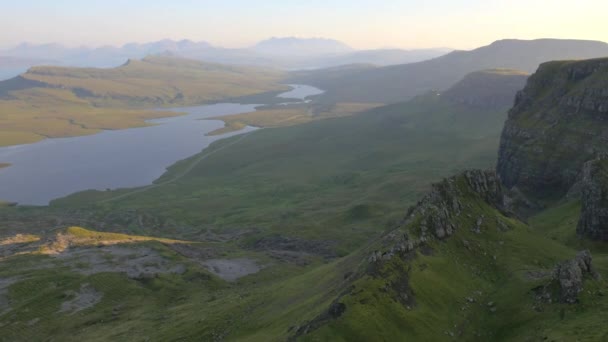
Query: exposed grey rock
(570, 274)
(593, 222)
(437, 212)
(502, 226)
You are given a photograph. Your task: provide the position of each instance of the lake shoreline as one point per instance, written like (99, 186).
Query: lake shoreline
(112, 159)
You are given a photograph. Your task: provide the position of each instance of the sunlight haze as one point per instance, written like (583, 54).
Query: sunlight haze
(362, 24)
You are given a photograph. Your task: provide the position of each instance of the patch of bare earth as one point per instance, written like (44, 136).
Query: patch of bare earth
(86, 297)
(135, 261)
(232, 269)
(4, 300)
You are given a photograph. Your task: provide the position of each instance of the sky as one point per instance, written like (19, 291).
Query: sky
(362, 24)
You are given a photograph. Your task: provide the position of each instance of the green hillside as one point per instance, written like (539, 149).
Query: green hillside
(342, 171)
(159, 81)
(51, 102)
(304, 233)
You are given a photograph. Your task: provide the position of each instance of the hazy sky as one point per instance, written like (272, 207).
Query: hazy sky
(359, 23)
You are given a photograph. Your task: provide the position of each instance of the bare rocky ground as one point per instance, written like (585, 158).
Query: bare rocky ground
(130, 256)
(4, 300)
(135, 261)
(232, 269)
(85, 298)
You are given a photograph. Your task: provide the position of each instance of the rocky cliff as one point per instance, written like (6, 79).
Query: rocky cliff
(437, 215)
(558, 123)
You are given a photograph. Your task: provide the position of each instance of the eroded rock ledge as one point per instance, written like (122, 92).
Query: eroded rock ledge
(435, 216)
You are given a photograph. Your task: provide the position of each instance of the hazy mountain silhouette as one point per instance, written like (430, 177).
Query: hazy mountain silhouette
(400, 82)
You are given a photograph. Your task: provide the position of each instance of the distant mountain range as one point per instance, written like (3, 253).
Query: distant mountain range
(104, 56)
(399, 83)
(292, 46)
(287, 53)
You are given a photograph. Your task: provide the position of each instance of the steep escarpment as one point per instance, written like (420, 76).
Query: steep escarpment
(557, 124)
(488, 89)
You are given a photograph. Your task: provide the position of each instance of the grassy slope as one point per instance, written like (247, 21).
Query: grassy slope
(61, 102)
(159, 81)
(289, 115)
(271, 305)
(322, 180)
(493, 269)
(189, 305)
(38, 113)
(308, 179)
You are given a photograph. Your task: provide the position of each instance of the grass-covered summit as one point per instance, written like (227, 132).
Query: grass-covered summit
(158, 81)
(50, 102)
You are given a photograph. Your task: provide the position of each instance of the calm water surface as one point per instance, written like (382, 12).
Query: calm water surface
(54, 168)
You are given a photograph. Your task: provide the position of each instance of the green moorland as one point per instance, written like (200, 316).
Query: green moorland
(61, 102)
(472, 286)
(477, 285)
(357, 173)
(301, 200)
(279, 116)
(309, 204)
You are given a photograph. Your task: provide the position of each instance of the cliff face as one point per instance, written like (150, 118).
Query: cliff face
(559, 122)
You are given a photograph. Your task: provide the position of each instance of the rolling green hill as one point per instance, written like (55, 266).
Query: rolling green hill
(158, 81)
(303, 233)
(461, 265)
(495, 88)
(60, 102)
(300, 201)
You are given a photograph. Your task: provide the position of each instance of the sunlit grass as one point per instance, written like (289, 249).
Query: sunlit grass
(80, 101)
(288, 116)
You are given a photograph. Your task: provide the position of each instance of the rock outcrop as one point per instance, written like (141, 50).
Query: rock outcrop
(570, 274)
(593, 222)
(436, 215)
(559, 122)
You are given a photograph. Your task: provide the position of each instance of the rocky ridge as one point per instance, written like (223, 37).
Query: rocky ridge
(436, 215)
